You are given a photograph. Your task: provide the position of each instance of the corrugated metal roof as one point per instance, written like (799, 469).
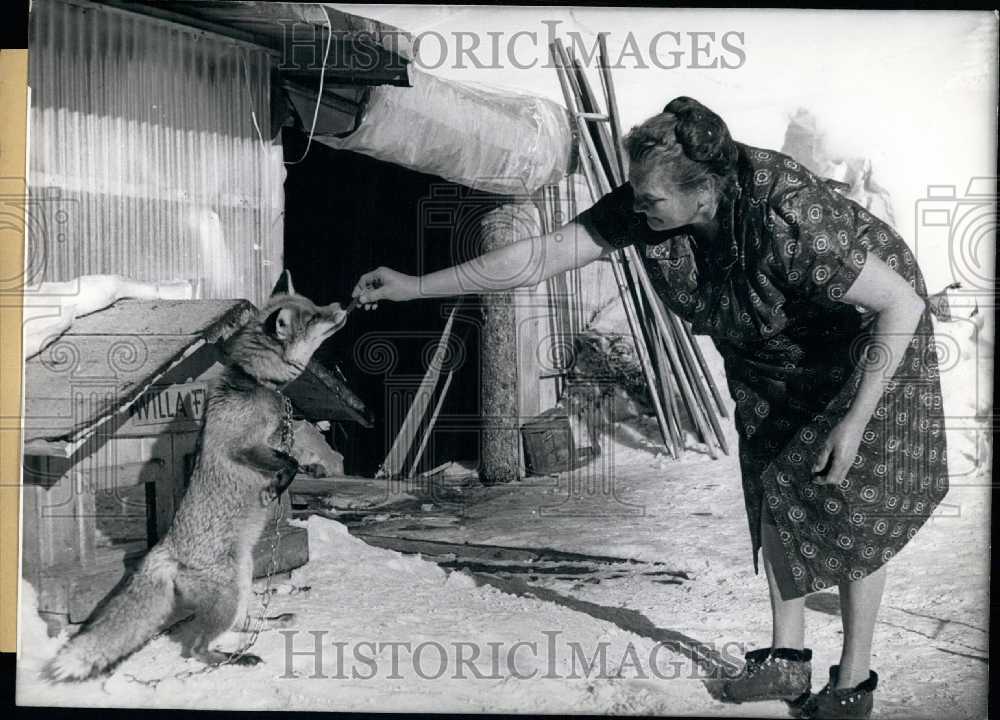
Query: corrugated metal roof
(149, 153)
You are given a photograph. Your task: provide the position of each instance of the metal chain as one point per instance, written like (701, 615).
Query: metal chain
(287, 433)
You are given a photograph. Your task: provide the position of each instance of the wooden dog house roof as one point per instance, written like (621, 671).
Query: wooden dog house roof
(107, 360)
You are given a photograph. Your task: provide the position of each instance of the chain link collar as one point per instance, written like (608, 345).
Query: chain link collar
(287, 432)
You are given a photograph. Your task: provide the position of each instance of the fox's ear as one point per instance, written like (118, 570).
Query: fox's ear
(284, 285)
(279, 323)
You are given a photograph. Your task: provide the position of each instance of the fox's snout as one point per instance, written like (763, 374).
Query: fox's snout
(335, 316)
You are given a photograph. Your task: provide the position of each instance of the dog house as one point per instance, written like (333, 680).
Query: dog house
(113, 411)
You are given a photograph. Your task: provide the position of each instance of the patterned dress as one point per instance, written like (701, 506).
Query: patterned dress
(770, 297)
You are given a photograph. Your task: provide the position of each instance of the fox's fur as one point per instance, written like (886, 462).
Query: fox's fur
(204, 564)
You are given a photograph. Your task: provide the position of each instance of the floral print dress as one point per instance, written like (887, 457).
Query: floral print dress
(770, 297)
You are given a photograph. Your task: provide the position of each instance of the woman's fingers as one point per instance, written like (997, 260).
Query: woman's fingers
(368, 289)
(822, 460)
(382, 284)
(831, 466)
(834, 475)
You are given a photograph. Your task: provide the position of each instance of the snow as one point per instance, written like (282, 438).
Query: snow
(930, 651)
(363, 594)
(919, 100)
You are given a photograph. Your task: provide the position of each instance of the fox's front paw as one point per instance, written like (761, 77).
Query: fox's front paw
(287, 473)
(267, 496)
(288, 469)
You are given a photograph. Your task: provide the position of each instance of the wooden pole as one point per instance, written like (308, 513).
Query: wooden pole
(719, 403)
(611, 102)
(687, 356)
(686, 392)
(500, 439)
(672, 410)
(602, 185)
(682, 335)
(626, 289)
(616, 262)
(557, 296)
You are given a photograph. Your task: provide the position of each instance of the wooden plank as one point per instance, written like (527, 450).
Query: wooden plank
(55, 516)
(292, 550)
(84, 519)
(110, 356)
(474, 551)
(31, 549)
(168, 408)
(126, 474)
(84, 588)
(201, 368)
(52, 591)
(527, 340)
(71, 386)
(183, 450)
(209, 319)
(430, 423)
(319, 394)
(346, 493)
(393, 463)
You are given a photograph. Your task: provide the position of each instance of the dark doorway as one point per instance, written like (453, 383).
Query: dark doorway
(345, 214)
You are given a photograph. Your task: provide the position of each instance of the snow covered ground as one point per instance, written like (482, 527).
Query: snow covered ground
(919, 102)
(456, 635)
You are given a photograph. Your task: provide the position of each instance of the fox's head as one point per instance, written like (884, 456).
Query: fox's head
(276, 346)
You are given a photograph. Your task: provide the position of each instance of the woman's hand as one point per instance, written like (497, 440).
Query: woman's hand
(837, 454)
(384, 284)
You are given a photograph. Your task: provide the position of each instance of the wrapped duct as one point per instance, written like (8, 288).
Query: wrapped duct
(490, 140)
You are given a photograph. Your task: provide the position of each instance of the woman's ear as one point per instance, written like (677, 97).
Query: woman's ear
(709, 194)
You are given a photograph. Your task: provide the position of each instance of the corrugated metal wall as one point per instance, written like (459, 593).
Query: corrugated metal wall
(144, 157)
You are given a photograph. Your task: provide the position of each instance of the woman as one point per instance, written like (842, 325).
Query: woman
(820, 313)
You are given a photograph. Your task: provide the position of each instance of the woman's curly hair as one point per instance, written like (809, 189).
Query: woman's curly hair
(688, 142)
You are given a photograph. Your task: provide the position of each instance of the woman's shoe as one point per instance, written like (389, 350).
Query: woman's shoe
(830, 703)
(772, 674)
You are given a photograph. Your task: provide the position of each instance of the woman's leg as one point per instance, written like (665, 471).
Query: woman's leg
(859, 603)
(787, 604)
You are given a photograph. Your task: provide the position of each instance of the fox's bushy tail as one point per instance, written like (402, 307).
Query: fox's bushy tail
(128, 620)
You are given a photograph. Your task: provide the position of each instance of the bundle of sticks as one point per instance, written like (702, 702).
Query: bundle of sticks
(668, 353)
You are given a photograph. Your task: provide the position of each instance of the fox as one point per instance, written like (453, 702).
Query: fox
(204, 565)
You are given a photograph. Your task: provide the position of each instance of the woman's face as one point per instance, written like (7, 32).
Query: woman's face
(666, 206)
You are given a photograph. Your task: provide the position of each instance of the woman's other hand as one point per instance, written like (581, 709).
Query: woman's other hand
(837, 454)
(384, 284)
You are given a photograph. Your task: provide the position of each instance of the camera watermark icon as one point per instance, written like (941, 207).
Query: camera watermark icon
(43, 223)
(962, 228)
(417, 369)
(931, 429)
(471, 222)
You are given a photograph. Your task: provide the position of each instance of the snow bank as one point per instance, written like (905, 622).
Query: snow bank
(355, 606)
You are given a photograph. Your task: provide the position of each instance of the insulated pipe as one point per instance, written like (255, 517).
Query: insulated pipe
(498, 142)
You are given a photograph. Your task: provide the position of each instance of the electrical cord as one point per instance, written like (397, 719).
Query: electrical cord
(319, 96)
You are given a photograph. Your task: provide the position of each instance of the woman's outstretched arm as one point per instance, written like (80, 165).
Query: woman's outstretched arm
(524, 263)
